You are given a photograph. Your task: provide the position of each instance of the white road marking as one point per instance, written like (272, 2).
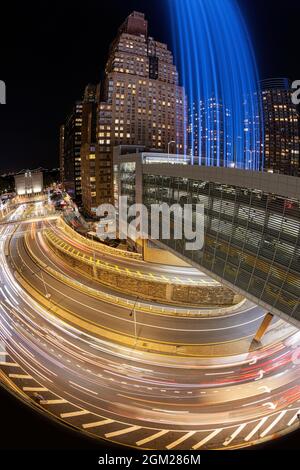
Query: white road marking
(235, 434)
(82, 388)
(257, 427)
(269, 428)
(291, 421)
(220, 373)
(207, 438)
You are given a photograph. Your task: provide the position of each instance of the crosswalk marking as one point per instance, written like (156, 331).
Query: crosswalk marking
(53, 402)
(269, 428)
(235, 434)
(74, 413)
(257, 428)
(123, 431)
(97, 423)
(151, 438)
(180, 440)
(207, 438)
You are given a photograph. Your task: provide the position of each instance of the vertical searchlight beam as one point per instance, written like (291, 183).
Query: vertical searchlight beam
(217, 66)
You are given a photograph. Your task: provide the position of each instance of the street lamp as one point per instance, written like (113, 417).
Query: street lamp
(133, 312)
(169, 143)
(47, 295)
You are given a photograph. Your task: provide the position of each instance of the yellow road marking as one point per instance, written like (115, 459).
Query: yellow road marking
(97, 423)
(123, 431)
(74, 413)
(19, 376)
(151, 438)
(180, 440)
(53, 402)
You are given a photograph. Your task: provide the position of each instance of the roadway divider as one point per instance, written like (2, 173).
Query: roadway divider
(115, 337)
(127, 303)
(151, 287)
(96, 246)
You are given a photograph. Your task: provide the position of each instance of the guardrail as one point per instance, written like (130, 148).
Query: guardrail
(97, 246)
(149, 287)
(126, 303)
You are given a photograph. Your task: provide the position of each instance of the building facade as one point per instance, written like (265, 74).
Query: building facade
(281, 127)
(29, 183)
(62, 153)
(78, 130)
(140, 104)
(251, 224)
(72, 145)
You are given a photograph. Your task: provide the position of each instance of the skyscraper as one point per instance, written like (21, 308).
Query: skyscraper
(209, 142)
(141, 104)
(72, 144)
(62, 152)
(78, 129)
(88, 143)
(281, 127)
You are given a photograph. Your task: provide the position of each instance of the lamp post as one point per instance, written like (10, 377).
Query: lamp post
(47, 295)
(133, 312)
(169, 143)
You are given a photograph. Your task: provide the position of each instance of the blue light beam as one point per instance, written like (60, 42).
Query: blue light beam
(218, 70)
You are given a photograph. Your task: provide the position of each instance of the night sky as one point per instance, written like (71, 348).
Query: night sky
(50, 50)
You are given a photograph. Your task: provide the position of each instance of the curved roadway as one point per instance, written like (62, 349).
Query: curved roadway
(133, 397)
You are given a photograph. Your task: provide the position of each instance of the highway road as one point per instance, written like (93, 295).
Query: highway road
(239, 325)
(135, 397)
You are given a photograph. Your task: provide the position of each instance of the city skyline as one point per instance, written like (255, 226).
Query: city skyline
(150, 229)
(54, 89)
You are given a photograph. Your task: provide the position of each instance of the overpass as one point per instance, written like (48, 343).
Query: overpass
(252, 224)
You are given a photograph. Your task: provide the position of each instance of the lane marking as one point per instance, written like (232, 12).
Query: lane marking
(291, 421)
(82, 388)
(269, 428)
(97, 423)
(20, 376)
(257, 428)
(53, 402)
(220, 373)
(234, 435)
(35, 389)
(74, 413)
(207, 438)
(123, 431)
(180, 440)
(151, 438)
(9, 364)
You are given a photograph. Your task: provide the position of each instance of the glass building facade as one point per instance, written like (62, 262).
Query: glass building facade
(252, 238)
